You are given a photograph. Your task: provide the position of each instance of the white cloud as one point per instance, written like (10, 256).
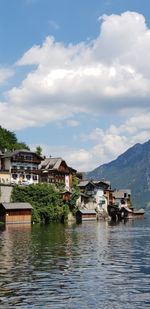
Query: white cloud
(109, 74)
(72, 123)
(5, 74)
(110, 143)
(107, 144)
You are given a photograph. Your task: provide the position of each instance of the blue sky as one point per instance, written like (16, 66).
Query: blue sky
(74, 76)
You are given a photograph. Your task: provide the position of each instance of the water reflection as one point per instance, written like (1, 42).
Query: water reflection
(91, 265)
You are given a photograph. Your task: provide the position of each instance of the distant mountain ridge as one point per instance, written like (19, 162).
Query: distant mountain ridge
(131, 170)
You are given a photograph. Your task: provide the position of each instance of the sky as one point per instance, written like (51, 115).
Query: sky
(75, 76)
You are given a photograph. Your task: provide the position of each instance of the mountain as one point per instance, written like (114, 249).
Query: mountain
(131, 170)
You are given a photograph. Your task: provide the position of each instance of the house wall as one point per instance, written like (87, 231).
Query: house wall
(22, 177)
(88, 217)
(85, 217)
(101, 200)
(7, 164)
(16, 216)
(5, 177)
(68, 182)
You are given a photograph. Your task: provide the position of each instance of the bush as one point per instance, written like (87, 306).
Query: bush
(46, 202)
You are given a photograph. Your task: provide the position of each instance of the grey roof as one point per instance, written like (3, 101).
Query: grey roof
(87, 211)
(10, 154)
(120, 193)
(54, 164)
(51, 163)
(106, 182)
(84, 183)
(9, 206)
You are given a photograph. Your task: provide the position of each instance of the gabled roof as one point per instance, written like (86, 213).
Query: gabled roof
(84, 183)
(101, 183)
(9, 206)
(120, 193)
(10, 154)
(54, 164)
(51, 163)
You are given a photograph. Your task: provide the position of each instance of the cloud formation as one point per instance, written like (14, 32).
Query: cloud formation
(5, 74)
(110, 74)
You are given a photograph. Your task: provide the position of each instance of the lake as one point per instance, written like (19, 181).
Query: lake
(91, 265)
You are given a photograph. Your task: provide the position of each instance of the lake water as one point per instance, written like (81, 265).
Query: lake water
(92, 265)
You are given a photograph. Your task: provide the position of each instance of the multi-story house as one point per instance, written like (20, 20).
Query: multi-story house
(122, 198)
(22, 166)
(56, 170)
(94, 194)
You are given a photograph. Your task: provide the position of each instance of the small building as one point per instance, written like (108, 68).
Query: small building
(86, 215)
(15, 212)
(66, 195)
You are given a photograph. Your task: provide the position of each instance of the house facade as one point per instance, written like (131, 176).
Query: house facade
(22, 166)
(122, 198)
(95, 194)
(55, 171)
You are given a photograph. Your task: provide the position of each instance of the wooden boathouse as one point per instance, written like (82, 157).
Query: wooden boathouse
(86, 215)
(15, 212)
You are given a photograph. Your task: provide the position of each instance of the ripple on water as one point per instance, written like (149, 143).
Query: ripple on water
(92, 265)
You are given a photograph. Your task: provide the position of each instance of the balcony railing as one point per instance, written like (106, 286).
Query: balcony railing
(25, 160)
(26, 171)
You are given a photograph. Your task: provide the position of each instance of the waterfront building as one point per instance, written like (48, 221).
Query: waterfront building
(55, 171)
(122, 197)
(20, 167)
(15, 213)
(86, 215)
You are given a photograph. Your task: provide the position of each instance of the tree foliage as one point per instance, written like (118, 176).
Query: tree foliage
(8, 141)
(39, 150)
(45, 199)
(75, 192)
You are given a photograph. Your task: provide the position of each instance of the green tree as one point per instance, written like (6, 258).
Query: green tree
(39, 150)
(8, 141)
(45, 199)
(75, 193)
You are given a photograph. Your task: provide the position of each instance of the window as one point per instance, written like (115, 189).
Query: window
(28, 177)
(34, 177)
(14, 176)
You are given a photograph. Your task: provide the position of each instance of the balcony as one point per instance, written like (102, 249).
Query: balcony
(25, 171)
(25, 160)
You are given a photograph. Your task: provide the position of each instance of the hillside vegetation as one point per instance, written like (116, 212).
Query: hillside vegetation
(8, 141)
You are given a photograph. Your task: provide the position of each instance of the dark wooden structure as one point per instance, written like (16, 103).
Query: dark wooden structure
(86, 215)
(15, 212)
(56, 170)
(116, 213)
(66, 195)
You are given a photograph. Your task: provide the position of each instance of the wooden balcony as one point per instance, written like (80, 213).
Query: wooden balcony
(24, 160)
(25, 171)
